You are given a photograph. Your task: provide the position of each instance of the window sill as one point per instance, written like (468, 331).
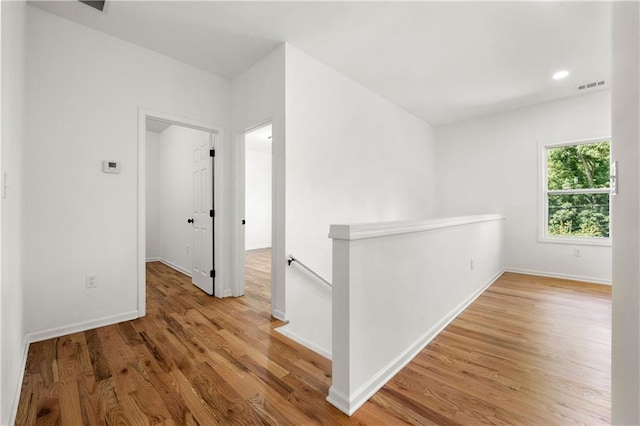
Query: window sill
(579, 241)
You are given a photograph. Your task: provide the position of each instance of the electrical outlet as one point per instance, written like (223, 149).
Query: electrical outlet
(90, 281)
(577, 252)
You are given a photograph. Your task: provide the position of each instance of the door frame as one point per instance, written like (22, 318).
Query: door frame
(218, 201)
(278, 205)
(241, 145)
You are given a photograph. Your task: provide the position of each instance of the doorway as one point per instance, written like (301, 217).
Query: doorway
(258, 208)
(179, 186)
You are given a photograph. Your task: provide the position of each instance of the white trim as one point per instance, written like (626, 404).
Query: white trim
(577, 241)
(278, 314)
(577, 142)
(278, 224)
(238, 285)
(173, 266)
(50, 333)
(382, 229)
(544, 192)
(350, 404)
(143, 114)
(219, 206)
(142, 205)
(18, 387)
(578, 191)
(340, 401)
(559, 275)
(304, 342)
(176, 267)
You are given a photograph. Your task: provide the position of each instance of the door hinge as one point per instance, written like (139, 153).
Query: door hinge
(212, 153)
(212, 213)
(212, 274)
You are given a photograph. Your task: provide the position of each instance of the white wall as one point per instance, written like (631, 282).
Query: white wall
(258, 96)
(396, 286)
(625, 377)
(12, 344)
(85, 89)
(257, 190)
(351, 157)
(153, 241)
(491, 165)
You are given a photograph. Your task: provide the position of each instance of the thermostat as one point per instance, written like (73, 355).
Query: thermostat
(109, 166)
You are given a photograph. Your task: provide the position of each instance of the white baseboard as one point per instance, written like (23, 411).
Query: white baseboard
(257, 248)
(304, 342)
(278, 314)
(340, 401)
(348, 404)
(176, 267)
(225, 293)
(558, 275)
(18, 385)
(50, 333)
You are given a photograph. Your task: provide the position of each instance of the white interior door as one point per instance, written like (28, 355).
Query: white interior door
(203, 274)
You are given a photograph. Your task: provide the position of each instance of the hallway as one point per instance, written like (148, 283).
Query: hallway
(530, 350)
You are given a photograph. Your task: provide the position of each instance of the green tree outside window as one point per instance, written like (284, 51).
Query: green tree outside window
(578, 190)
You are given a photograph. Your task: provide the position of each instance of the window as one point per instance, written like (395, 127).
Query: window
(576, 192)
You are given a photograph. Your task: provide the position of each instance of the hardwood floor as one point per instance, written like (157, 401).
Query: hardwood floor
(530, 350)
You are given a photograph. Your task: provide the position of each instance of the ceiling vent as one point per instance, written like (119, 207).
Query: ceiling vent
(591, 85)
(94, 4)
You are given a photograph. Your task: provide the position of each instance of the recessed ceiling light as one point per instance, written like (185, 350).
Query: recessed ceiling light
(560, 75)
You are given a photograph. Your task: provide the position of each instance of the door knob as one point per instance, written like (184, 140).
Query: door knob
(189, 220)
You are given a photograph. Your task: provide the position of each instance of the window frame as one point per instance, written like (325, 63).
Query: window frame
(544, 192)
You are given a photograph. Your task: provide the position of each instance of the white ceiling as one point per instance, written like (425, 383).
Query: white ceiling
(442, 61)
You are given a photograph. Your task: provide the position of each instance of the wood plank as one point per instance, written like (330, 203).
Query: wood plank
(90, 405)
(229, 407)
(164, 385)
(530, 350)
